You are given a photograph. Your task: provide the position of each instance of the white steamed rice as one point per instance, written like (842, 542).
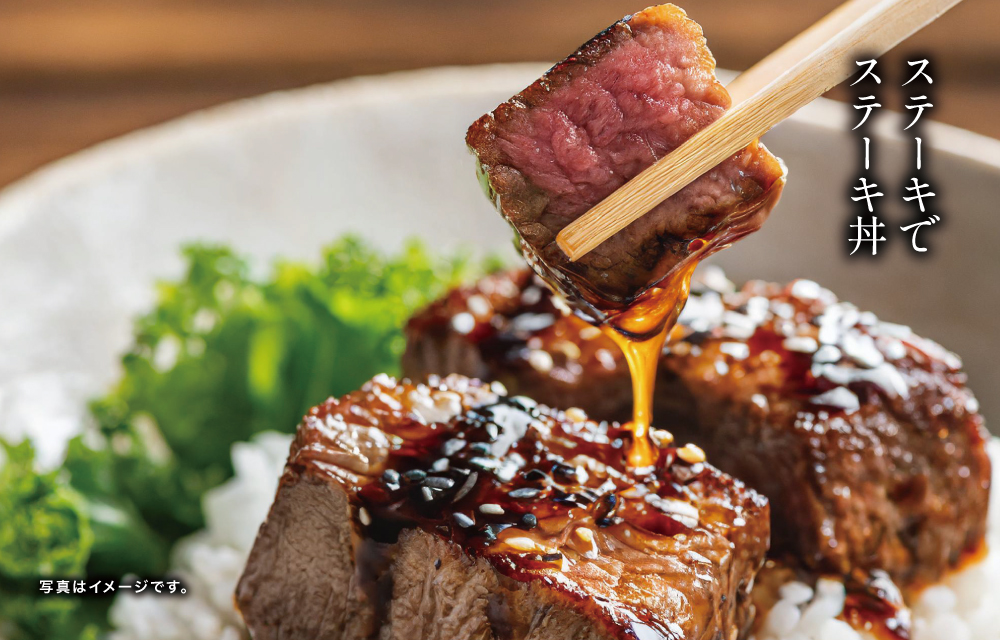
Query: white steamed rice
(965, 606)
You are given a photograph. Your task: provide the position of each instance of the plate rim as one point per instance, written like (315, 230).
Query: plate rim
(17, 197)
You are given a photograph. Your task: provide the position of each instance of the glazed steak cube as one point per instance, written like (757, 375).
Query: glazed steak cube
(626, 98)
(449, 510)
(862, 435)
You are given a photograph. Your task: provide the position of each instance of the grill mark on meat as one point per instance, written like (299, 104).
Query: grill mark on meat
(343, 534)
(899, 483)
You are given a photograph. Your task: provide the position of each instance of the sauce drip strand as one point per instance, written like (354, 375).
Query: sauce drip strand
(640, 331)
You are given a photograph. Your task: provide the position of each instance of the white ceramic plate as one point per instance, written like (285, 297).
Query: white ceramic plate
(83, 240)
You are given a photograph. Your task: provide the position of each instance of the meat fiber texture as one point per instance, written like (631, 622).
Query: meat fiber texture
(594, 121)
(448, 510)
(862, 434)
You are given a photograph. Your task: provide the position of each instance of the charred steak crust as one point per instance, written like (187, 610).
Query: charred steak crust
(626, 98)
(448, 509)
(862, 434)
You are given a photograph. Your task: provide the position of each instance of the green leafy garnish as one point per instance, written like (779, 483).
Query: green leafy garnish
(222, 356)
(44, 531)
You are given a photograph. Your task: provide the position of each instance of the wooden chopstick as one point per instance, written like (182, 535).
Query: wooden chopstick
(799, 72)
(764, 72)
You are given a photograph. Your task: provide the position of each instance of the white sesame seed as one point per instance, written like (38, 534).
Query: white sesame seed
(972, 405)
(531, 295)
(861, 348)
(479, 305)
(737, 350)
(713, 277)
(584, 534)
(805, 290)
(364, 517)
(606, 358)
(760, 400)
(540, 361)
(841, 397)
(575, 414)
(661, 437)
(826, 354)
(738, 325)
(532, 322)
(463, 322)
(568, 349)
(589, 333)
(491, 508)
(561, 305)
(894, 349)
(900, 331)
(680, 348)
(758, 308)
(801, 344)
(521, 543)
(691, 453)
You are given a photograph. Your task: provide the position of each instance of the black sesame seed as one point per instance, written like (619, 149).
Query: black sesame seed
(489, 534)
(437, 482)
(481, 448)
(391, 476)
(586, 496)
(524, 494)
(463, 520)
(437, 564)
(536, 475)
(415, 475)
(466, 487)
(529, 521)
(453, 446)
(564, 470)
(561, 497)
(552, 557)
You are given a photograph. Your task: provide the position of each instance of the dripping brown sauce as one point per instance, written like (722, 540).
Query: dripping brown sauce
(642, 328)
(641, 331)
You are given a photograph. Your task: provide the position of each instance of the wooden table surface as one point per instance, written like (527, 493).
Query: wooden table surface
(73, 73)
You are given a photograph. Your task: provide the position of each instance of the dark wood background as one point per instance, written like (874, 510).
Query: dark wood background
(74, 73)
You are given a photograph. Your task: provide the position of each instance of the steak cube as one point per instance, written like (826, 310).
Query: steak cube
(626, 98)
(862, 434)
(449, 510)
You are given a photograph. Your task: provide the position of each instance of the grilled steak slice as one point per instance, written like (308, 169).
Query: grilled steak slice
(862, 434)
(624, 99)
(449, 510)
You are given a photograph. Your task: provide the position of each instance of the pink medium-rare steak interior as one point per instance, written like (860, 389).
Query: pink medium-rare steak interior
(626, 98)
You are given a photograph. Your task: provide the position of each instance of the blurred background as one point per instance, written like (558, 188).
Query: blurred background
(74, 73)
